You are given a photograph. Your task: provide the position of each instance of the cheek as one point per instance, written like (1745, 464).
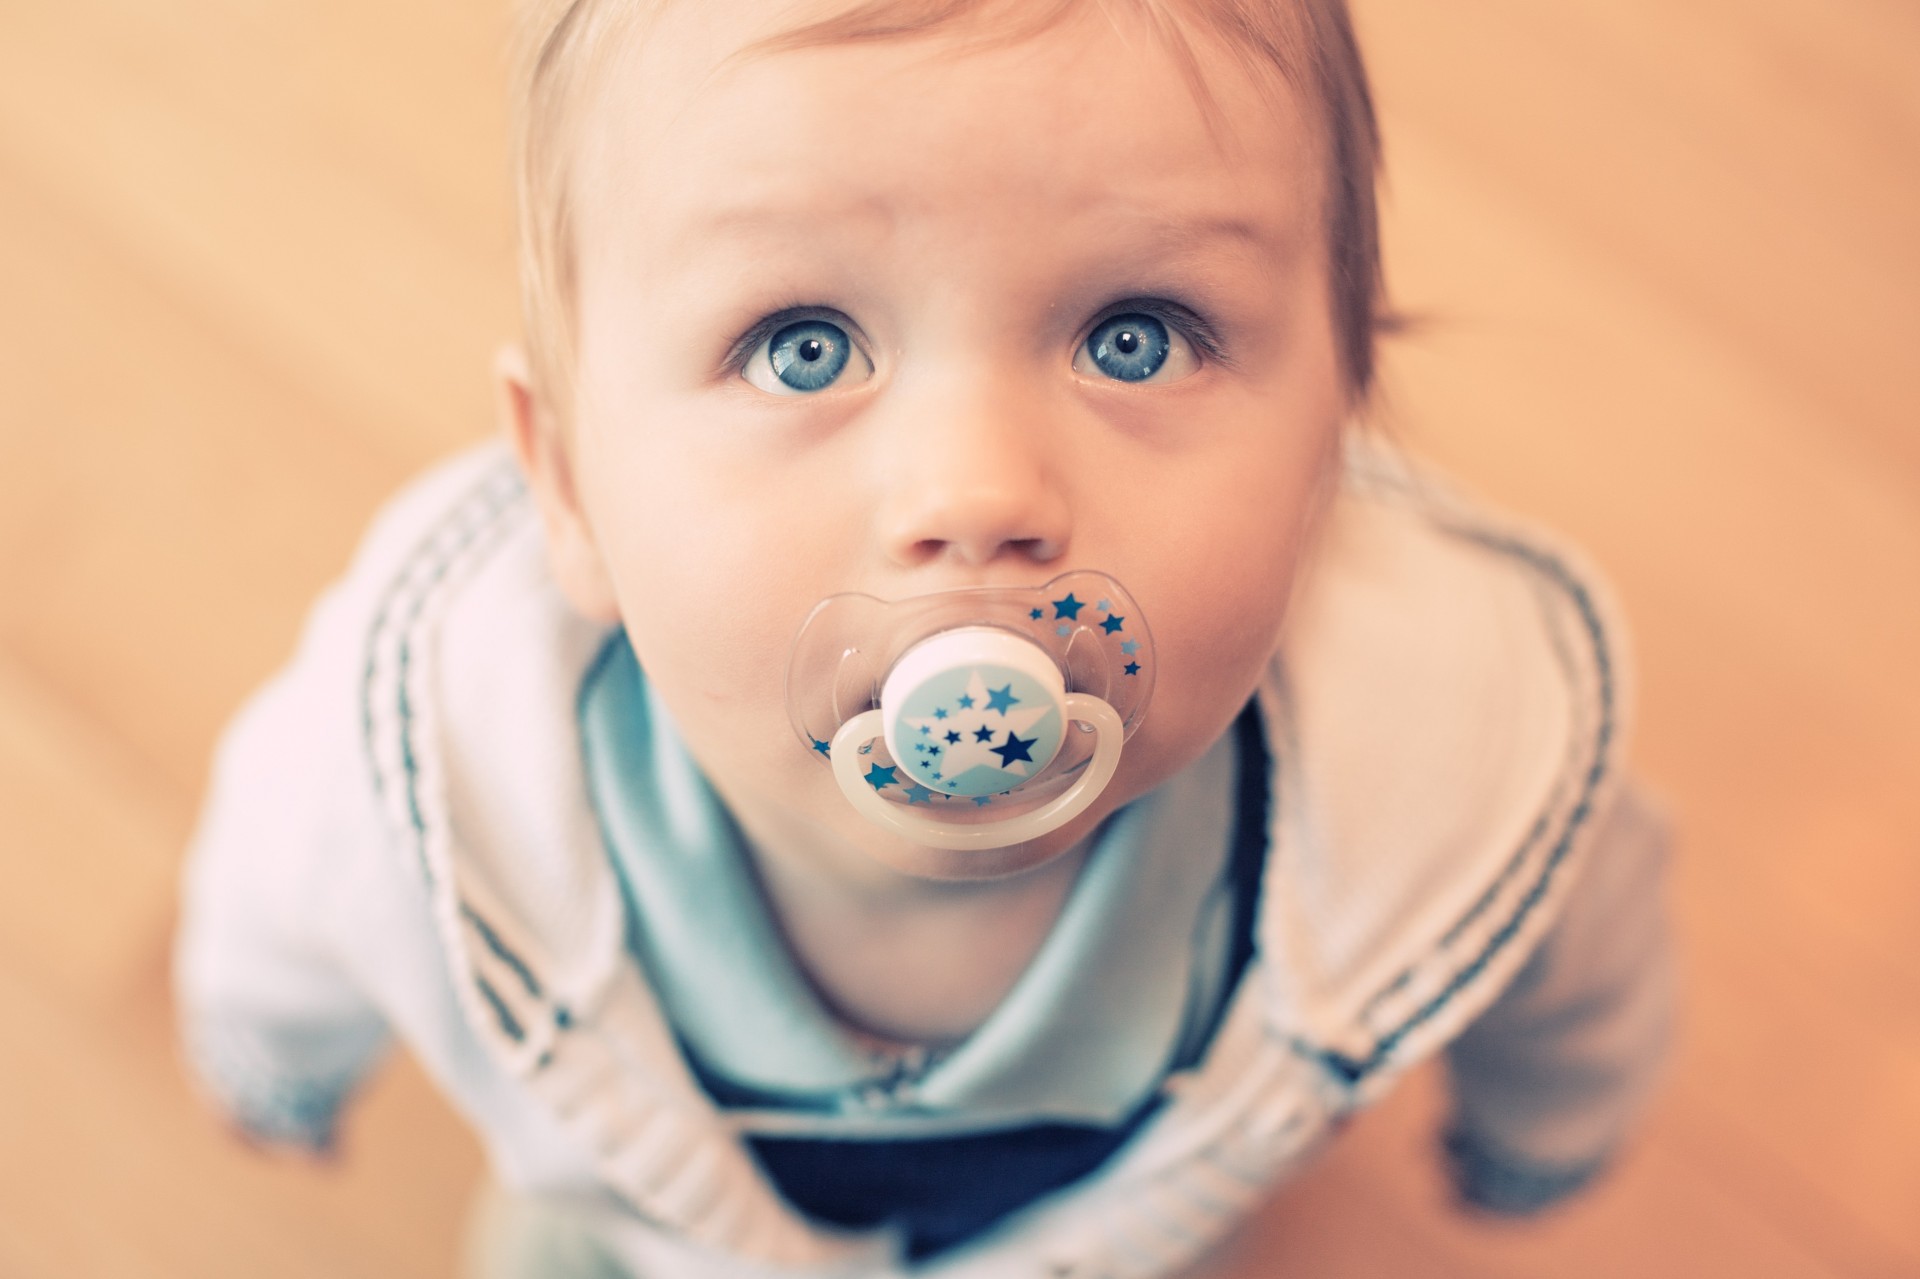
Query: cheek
(712, 581)
(1216, 636)
(705, 624)
(1220, 584)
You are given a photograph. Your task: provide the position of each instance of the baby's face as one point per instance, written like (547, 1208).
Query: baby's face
(901, 317)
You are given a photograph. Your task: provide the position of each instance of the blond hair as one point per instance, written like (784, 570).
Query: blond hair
(1308, 44)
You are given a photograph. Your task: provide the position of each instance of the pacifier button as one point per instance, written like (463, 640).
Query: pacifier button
(972, 713)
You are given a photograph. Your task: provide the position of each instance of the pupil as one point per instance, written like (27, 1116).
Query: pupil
(1129, 348)
(808, 356)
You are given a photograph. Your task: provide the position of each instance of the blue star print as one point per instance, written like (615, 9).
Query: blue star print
(879, 778)
(822, 747)
(1068, 608)
(1112, 624)
(966, 701)
(940, 712)
(966, 738)
(917, 794)
(1129, 647)
(1035, 614)
(1015, 748)
(1132, 668)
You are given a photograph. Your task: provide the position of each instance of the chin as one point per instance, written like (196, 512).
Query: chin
(979, 865)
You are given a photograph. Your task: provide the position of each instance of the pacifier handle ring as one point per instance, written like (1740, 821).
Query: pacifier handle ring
(923, 830)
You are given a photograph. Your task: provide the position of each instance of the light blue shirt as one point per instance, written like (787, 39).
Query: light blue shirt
(1122, 987)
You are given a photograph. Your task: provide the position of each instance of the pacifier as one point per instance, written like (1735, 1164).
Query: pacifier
(976, 718)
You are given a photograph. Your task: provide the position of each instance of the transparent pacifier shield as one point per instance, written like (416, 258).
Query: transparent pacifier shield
(1080, 632)
(972, 727)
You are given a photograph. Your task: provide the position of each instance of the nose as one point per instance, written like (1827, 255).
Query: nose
(972, 478)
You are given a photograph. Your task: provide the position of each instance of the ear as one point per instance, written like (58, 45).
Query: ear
(572, 549)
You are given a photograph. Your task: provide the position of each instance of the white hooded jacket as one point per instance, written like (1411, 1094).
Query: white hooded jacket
(399, 842)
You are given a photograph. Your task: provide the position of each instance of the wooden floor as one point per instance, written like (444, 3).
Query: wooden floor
(1667, 254)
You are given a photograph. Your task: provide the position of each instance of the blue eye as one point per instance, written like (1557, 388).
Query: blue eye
(1130, 348)
(1135, 347)
(800, 358)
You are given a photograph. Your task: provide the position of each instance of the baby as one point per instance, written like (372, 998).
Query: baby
(1045, 327)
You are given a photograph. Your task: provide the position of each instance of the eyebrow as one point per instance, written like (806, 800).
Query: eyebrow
(748, 219)
(1211, 227)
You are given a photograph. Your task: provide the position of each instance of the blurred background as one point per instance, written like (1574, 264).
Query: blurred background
(253, 261)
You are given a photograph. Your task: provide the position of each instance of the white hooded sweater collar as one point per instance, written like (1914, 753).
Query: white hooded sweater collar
(1444, 716)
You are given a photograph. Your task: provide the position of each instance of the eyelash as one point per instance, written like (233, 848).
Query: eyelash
(743, 348)
(1189, 322)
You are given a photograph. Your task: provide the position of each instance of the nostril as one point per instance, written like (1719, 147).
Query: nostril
(925, 551)
(1036, 550)
(954, 515)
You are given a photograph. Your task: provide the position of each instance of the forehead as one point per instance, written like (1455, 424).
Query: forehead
(700, 128)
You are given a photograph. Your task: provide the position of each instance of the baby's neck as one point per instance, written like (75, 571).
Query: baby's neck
(912, 961)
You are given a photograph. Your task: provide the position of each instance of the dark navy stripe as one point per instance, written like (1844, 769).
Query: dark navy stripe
(1354, 1069)
(509, 1024)
(478, 511)
(404, 665)
(501, 950)
(492, 499)
(1485, 901)
(389, 596)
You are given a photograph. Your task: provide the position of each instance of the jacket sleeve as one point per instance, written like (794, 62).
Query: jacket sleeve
(1548, 1081)
(271, 1024)
(302, 903)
